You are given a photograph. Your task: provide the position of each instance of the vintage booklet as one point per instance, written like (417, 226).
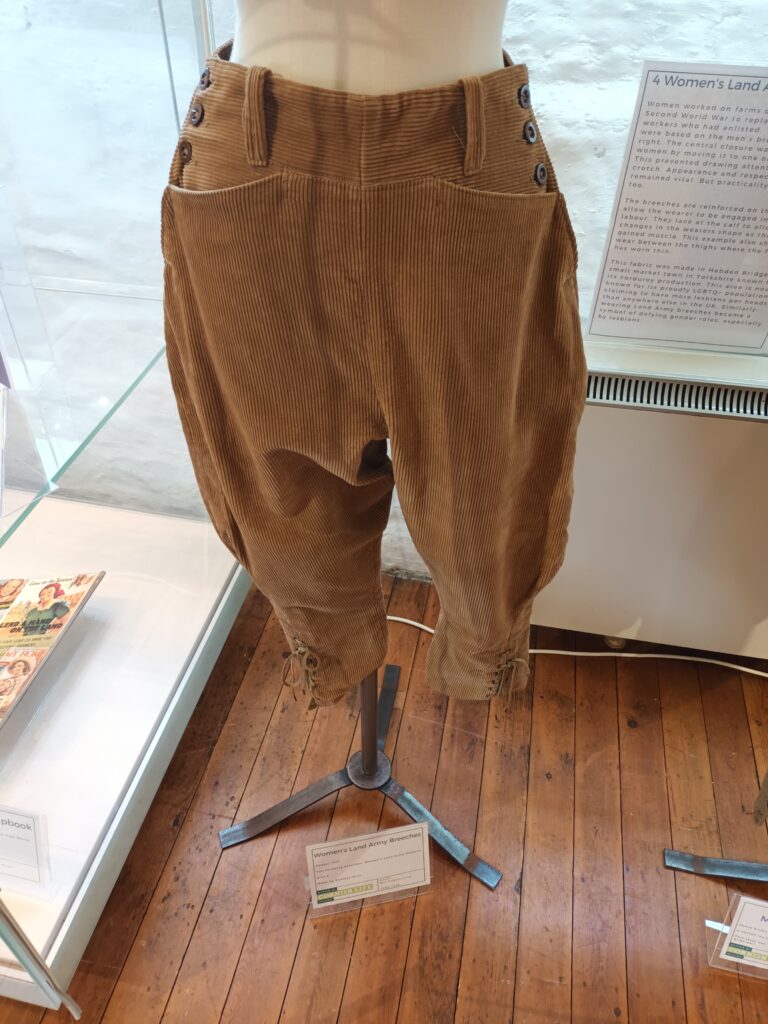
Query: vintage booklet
(34, 615)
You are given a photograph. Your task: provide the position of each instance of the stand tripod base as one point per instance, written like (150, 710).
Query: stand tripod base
(361, 779)
(369, 768)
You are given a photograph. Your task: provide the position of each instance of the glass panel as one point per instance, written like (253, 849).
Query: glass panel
(87, 146)
(71, 746)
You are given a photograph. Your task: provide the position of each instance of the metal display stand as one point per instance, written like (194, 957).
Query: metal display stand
(369, 768)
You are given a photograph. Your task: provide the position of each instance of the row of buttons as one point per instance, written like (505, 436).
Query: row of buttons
(529, 132)
(196, 113)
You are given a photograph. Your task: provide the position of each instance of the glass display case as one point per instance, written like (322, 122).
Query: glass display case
(95, 470)
(88, 743)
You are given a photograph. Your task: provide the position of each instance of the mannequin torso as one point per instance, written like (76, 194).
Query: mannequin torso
(352, 46)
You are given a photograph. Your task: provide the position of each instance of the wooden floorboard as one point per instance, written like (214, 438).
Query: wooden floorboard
(573, 793)
(599, 981)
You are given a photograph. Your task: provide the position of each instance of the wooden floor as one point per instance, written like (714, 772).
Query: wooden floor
(573, 795)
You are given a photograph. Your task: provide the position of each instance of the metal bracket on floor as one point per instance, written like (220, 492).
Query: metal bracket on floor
(749, 870)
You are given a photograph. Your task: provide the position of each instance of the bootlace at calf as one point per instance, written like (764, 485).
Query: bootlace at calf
(507, 681)
(308, 663)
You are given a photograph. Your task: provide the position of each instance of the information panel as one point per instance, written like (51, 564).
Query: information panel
(685, 262)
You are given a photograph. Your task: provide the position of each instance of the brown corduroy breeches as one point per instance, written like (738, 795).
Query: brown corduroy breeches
(344, 268)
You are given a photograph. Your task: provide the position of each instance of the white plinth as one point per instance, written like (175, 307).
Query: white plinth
(94, 735)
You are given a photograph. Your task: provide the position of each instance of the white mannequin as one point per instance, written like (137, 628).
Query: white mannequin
(370, 46)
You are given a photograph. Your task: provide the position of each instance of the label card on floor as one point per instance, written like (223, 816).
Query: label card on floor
(360, 866)
(747, 942)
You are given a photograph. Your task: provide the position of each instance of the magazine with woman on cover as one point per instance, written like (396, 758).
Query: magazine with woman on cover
(34, 615)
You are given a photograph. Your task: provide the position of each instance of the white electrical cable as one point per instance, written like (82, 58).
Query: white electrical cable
(609, 654)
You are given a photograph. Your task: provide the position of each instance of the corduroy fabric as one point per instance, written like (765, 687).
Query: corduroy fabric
(341, 268)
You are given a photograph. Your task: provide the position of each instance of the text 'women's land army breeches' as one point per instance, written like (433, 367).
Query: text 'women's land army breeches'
(344, 268)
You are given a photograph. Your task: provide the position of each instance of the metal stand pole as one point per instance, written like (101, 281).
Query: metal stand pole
(368, 709)
(369, 768)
